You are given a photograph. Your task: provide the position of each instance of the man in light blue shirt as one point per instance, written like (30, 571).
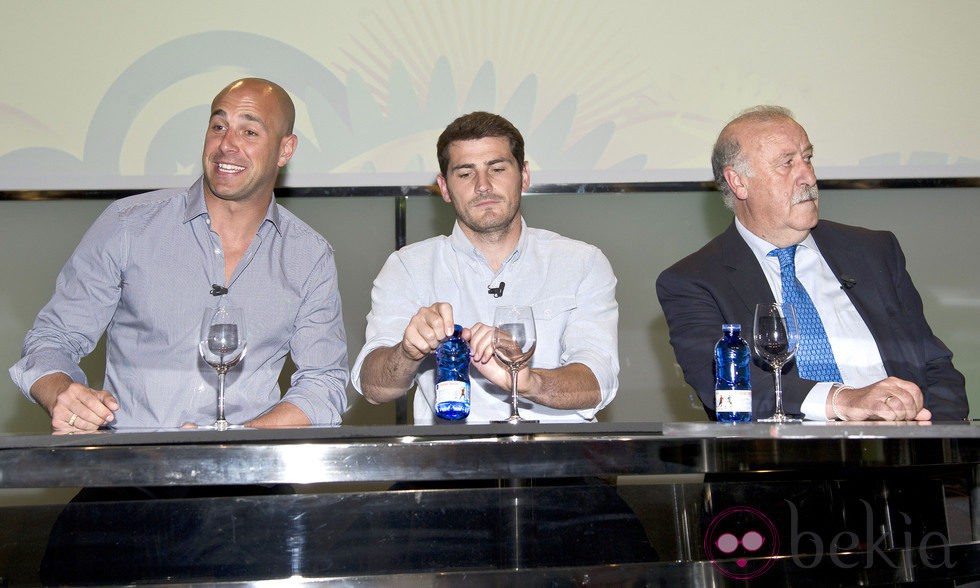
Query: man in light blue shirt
(151, 264)
(492, 258)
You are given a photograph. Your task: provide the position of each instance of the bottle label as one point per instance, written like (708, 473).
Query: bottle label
(733, 401)
(452, 391)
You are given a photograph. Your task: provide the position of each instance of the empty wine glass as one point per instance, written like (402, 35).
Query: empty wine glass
(775, 336)
(222, 345)
(514, 340)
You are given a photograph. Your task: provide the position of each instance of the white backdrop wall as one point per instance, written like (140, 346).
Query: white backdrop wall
(115, 93)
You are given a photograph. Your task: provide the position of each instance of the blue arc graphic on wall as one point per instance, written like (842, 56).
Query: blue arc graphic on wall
(355, 130)
(196, 54)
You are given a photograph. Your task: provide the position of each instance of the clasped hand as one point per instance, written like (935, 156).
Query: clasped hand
(433, 324)
(891, 399)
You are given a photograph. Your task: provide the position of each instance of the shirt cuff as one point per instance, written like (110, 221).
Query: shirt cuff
(814, 406)
(35, 366)
(369, 346)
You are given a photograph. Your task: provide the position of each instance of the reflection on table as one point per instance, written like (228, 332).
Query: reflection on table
(607, 504)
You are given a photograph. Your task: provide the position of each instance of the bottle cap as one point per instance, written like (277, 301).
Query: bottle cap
(731, 327)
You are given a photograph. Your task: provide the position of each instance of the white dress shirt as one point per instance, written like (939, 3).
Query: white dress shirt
(569, 285)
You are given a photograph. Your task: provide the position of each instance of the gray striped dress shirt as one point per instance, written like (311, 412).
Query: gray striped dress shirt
(143, 274)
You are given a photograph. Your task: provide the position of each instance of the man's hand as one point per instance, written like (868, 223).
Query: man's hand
(480, 339)
(430, 326)
(73, 407)
(388, 372)
(891, 399)
(569, 387)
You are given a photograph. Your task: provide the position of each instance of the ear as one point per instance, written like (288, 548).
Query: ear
(287, 146)
(443, 188)
(525, 177)
(736, 182)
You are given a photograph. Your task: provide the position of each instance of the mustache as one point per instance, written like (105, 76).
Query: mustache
(806, 194)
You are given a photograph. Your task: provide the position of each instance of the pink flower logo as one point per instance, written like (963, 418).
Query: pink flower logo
(741, 542)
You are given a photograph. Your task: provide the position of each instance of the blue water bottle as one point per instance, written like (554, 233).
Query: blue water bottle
(453, 377)
(733, 392)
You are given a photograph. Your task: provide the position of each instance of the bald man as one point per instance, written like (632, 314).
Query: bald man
(152, 264)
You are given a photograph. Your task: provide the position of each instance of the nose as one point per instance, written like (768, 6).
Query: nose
(228, 142)
(482, 182)
(807, 176)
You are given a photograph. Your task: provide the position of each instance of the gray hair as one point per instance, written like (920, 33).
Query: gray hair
(728, 152)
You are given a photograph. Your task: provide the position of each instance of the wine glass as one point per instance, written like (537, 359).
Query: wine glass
(775, 337)
(514, 340)
(222, 345)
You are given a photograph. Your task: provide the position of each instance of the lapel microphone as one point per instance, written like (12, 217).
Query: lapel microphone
(217, 290)
(847, 282)
(496, 292)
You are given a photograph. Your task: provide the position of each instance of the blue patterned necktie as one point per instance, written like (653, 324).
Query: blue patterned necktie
(814, 357)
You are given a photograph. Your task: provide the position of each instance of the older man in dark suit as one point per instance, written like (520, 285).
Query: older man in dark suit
(886, 363)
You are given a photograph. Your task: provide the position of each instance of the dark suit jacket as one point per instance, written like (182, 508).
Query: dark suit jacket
(722, 283)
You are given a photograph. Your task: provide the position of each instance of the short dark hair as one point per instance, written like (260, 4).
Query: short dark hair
(479, 125)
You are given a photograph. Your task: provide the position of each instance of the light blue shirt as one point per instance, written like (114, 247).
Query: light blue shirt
(569, 285)
(855, 350)
(143, 274)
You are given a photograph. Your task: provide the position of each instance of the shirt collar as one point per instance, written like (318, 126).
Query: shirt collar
(194, 201)
(761, 248)
(272, 214)
(461, 243)
(194, 205)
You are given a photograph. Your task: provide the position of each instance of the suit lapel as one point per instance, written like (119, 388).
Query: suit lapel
(850, 259)
(744, 273)
(847, 259)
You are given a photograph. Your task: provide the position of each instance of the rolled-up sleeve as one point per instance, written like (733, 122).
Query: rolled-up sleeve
(86, 293)
(591, 335)
(393, 304)
(318, 348)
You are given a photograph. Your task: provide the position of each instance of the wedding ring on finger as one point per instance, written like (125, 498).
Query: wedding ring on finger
(71, 421)
(888, 399)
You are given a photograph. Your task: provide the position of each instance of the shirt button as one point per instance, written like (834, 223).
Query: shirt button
(217, 252)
